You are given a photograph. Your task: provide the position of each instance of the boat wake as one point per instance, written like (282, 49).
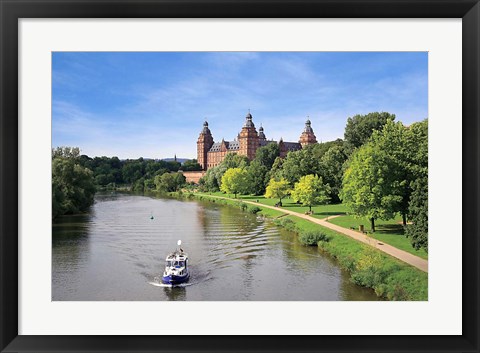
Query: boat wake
(159, 284)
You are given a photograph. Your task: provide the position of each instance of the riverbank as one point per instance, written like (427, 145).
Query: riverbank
(388, 277)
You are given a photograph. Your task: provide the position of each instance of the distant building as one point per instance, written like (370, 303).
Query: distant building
(210, 153)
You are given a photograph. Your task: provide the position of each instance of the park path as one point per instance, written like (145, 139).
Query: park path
(402, 255)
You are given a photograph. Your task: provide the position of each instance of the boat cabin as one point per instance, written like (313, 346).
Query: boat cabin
(176, 260)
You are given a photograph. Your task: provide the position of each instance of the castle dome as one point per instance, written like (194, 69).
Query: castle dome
(248, 120)
(308, 126)
(205, 129)
(261, 135)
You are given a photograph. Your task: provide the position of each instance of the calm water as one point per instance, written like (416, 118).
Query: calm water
(116, 251)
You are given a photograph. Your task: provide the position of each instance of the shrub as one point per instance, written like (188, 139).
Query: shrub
(254, 209)
(369, 277)
(286, 223)
(243, 206)
(312, 238)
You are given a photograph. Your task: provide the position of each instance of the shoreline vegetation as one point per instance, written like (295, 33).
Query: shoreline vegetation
(390, 278)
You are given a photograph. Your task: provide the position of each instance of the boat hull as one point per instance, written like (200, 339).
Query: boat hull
(172, 279)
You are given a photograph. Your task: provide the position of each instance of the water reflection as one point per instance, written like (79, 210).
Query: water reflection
(175, 293)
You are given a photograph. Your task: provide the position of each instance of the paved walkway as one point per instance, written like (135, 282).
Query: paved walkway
(404, 256)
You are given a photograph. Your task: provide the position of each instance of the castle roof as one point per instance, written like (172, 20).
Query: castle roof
(292, 146)
(308, 126)
(231, 146)
(248, 120)
(261, 134)
(263, 143)
(205, 129)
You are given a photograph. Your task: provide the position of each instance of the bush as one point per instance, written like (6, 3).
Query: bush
(312, 238)
(287, 223)
(254, 209)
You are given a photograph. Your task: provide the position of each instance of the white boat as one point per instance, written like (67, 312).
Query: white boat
(176, 267)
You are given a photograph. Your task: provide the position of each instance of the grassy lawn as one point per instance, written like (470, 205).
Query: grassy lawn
(389, 232)
(320, 212)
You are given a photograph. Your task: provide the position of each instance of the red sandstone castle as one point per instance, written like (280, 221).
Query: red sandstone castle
(210, 154)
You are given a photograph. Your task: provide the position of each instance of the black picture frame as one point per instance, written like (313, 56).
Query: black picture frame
(11, 11)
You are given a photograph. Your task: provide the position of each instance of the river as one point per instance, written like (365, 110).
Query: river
(116, 251)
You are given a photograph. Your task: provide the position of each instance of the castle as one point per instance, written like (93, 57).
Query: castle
(210, 153)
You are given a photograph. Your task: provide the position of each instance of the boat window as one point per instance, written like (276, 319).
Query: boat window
(182, 263)
(168, 263)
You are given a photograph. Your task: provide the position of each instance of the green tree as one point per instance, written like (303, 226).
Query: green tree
(406, 158)
(277, 189)
(133, 170)
(73, 187)
(310, 190)
(418, 230)
(366, 192)
(266, 155)
(375, 183)
(378, 181)
(276, 170)
(418, 203)
(169, 182)
(191, 165)
(306, 161)
(256, 173)
(212, 180)
(66, 152)
(233, 160)
(332, 168)
(359, 128)
(234, 181)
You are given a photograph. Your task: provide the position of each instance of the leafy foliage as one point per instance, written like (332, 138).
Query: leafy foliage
(73, 186)
(234, 181)
(359, 128)
(378, 180)
(332, 168)
(365, 190)
(65, 152)
(254, 209)
(277, 189)
(311, 238)
(169, 182)
(256, 175)
(266, 155)
(418, 207)
(306, 161)
(310, 191)
(212, 180)
(191, 165)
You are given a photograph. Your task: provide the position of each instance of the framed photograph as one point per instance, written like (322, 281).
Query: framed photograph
(233, 176)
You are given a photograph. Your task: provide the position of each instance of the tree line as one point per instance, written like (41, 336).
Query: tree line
(379, 170)
(76, 178)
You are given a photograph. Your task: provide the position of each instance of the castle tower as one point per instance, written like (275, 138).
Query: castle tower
(307, 137)
(261, 135)
(248, 138)
(204, 143)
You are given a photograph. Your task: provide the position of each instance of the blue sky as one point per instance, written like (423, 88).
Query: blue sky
(153, 104)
